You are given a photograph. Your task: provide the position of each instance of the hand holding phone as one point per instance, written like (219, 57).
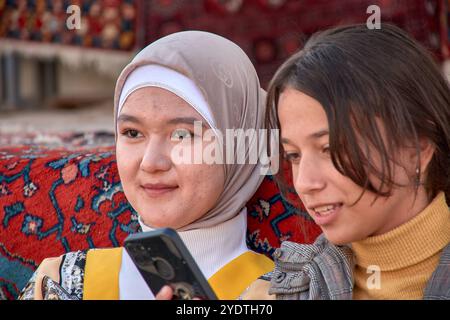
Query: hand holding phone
(162, 259)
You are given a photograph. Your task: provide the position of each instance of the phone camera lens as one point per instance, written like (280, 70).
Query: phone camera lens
(183, 291)
(165, 270)
(183, 294)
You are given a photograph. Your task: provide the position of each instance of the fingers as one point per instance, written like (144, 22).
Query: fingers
(166, 293)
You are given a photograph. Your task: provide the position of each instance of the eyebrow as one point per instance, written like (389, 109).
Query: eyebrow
(185, 120)
(316, 135)
(127, 118)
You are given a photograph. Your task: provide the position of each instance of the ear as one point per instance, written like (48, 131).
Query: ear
(427, 150)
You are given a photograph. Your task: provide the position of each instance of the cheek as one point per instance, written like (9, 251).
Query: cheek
(366, 215)
(203, 182)
(127, 163)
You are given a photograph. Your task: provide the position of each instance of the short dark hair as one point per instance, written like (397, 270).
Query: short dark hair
(359, 75)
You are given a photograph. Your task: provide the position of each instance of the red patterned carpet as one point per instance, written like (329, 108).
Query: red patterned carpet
(65, 194)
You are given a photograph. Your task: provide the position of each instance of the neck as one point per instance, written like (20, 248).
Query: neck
(409, 210)
(427, 229)
(404, 257)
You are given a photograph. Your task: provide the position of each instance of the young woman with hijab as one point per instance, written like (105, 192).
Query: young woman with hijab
(182, 78)
(364, 118)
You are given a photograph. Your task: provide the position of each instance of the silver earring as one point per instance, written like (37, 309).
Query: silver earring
(417, 177)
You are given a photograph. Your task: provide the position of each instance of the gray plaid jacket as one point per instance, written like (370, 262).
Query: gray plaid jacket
(323, 271)
(438, 287)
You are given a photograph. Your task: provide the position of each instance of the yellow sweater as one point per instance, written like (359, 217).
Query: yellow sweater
(405, 256)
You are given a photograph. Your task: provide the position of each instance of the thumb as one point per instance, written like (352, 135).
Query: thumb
(166, 293)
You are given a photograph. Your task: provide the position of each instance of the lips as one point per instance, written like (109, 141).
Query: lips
(324, 214)
(158, 189)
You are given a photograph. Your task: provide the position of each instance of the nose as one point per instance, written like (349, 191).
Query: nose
(308, 176)
(156, 157)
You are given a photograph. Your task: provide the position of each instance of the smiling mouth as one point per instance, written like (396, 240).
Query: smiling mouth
(326, 210)
(325, 214)
(158, 189)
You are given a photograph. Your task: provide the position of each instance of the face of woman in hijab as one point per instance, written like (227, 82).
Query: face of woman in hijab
(165, 193)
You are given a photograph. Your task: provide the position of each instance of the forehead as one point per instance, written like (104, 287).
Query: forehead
(155, 103)
(300, 115)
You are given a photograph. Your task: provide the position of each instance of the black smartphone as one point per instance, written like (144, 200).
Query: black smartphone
(163, 259)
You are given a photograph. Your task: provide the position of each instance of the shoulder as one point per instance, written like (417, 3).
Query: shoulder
(65, 271)
(57, 266)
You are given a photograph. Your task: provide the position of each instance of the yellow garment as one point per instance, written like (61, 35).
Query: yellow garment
(232, 279)
(406, 256)
(101, 274)
(101, 279)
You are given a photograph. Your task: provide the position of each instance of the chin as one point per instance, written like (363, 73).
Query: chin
(156, 220)
(158, 223)
(337, 238)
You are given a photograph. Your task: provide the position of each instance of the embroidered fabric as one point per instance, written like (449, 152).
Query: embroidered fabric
(71, 280)
(51, 290)
(72, 272)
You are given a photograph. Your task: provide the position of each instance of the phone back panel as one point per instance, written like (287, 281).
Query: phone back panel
(162, 259)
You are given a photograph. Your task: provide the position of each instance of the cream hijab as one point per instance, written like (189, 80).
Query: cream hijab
(230, 86)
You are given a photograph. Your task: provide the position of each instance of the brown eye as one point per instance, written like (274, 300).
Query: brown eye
(292, 157)
(131, 133)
